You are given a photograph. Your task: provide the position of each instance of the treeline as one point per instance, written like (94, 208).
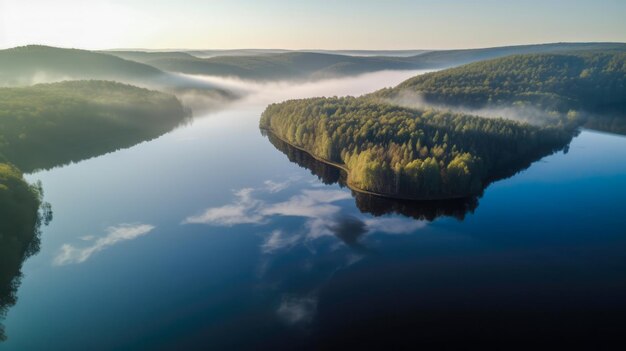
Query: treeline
(46, 125)
(592, 81)
(411, 153)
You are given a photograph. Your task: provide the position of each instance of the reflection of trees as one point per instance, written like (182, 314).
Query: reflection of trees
(21, 215)
(376, 205)
(612, 123)
(426, 209)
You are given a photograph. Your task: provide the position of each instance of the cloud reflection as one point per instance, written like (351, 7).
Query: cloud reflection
(292, 256)
(243, 210)
(297, 310)
(116, 234)
(278, 240)
(319, 207)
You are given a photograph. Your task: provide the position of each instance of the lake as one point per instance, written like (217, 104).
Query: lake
(209, 237)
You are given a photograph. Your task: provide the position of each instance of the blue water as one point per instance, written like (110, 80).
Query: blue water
(210, 238)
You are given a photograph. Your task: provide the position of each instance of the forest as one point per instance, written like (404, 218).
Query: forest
(47, 125)
(592, 81)
(410, 153)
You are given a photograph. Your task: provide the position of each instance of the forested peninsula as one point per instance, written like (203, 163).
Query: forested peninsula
(409, 153)
(392, 149)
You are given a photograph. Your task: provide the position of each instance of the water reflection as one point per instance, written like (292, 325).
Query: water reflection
(308, 234)
(21, 215)
(375, 205)
(611, 123)
(320, 209)
(115, 234)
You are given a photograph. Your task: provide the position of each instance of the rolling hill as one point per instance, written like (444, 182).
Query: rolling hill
(593, 81)
(47, 125)
(27, 65)
(269, 65)
(41, 64)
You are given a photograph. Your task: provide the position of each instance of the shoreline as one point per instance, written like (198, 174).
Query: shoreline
(352, 187)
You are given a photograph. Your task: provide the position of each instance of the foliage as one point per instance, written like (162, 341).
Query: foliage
(590, 81)
(50, 124)
(407, 152)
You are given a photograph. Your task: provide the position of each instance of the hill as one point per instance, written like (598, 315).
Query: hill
(47, 125)
(590, 81)
(36, 64)
(33, 64)
(266, 65)
(448, 58)
(290, 65)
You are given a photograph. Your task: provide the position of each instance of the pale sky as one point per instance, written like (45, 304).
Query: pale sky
(308, 24)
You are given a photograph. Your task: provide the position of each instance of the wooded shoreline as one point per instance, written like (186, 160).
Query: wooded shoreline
(360, 190)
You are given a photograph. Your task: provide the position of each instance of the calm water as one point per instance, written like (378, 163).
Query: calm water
(210, 238)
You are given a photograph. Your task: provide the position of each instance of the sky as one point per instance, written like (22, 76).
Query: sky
(308, 24)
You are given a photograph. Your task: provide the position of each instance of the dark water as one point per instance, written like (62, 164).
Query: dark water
(211, 238)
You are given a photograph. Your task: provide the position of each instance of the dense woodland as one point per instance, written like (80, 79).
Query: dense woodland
(414, 153)
(51, 124)
(592, 81)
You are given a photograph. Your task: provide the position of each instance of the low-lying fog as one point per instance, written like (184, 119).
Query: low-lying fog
(270, 92)
(264, 93)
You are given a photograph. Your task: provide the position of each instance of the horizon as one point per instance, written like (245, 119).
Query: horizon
(167, 49)
(364, 25)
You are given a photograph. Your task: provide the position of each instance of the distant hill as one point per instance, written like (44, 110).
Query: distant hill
(280, 65)
(591, 81)
(289, 65)
(257, 52)
(35, 64)
(449, 58)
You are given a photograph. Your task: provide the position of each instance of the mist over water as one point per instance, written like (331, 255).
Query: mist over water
(254, 92)
(528, 114)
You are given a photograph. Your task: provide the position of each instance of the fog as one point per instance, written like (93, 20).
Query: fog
(207, 93)
(254, 92)
(265, 93)
(527, 114)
